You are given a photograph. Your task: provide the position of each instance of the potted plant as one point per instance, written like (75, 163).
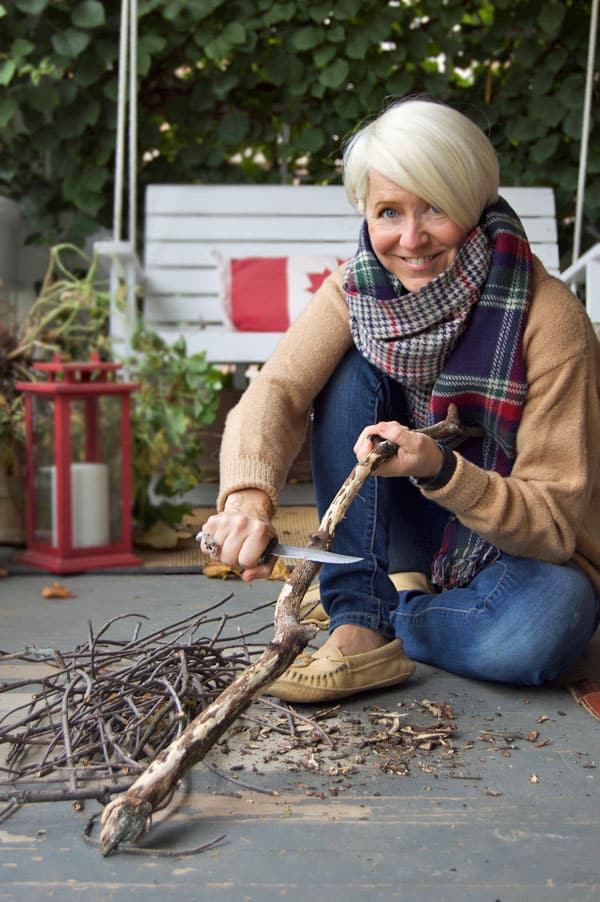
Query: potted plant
(178, 395)
(68, 314)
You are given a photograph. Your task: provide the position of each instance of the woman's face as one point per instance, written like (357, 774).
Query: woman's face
(410, 237)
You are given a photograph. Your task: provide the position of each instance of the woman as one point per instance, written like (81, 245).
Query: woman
(485, 561)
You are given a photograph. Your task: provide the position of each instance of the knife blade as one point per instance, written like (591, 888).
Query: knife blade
(318, 555)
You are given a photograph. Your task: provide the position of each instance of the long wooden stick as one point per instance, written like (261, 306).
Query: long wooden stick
(126, 818)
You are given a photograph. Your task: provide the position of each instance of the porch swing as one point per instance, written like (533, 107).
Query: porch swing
(181, 283)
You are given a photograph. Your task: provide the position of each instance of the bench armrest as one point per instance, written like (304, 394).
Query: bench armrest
(586, 271)
(576, 272)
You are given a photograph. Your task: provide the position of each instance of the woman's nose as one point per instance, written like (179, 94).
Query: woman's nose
(413, 231)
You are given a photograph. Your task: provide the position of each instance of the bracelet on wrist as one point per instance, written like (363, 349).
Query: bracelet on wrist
(444, 474)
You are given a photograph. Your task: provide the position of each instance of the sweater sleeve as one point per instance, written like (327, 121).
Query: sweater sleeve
(265, 430)
(539, 509)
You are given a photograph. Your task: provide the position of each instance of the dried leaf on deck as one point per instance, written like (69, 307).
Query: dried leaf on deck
(217, 570)
(56, 590)
(279, 571)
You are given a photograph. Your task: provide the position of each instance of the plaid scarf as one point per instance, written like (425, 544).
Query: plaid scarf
(421, 340)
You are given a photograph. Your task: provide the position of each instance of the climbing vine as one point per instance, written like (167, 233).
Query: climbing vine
(266, 91)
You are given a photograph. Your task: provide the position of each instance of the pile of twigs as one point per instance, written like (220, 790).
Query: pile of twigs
(113, 703)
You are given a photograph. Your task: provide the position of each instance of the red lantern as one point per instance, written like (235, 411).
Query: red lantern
(78, 467)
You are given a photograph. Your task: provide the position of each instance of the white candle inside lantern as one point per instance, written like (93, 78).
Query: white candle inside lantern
(90, 505)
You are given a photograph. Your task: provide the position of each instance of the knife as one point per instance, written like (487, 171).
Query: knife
(318, 555)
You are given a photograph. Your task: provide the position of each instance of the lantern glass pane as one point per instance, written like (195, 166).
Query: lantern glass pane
(111, 450)
(42, 408)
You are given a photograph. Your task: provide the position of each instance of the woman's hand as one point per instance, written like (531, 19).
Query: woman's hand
(239, 535)
(418, 455)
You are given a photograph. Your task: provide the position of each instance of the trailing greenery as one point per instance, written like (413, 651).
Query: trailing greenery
(177, 398)
(69, 315)
(266, 90)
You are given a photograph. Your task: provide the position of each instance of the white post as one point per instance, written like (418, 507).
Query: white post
(585, 131)
(124, 268)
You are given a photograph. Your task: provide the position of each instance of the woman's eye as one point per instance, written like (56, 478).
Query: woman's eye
(435, 210)
(387, 213)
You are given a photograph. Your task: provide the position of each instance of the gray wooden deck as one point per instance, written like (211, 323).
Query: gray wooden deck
(504, 815)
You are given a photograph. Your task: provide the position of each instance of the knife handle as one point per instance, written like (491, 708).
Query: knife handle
(263, 559)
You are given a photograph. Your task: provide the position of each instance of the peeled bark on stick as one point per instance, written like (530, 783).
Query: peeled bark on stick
(126, 818)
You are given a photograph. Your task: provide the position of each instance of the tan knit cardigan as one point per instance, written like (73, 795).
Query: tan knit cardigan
(548, 508)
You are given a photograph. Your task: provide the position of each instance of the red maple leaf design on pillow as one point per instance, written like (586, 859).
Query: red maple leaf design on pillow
(316, 279)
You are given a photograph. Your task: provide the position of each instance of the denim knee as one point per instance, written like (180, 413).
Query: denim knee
(520, 621)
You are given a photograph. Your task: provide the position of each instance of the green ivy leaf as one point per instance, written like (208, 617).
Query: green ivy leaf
(276, 67)
(224, 82)
(280, 12)
(544, 149)
(307, 38)
(547, 110)
(542, 81)
(571, 91)
(551, 18)
(346, 9)
(32, 7)
(234, 33)
(311, 140)
(200, 9)
(89, 14)
(70, 43)
(233, 127)
(46, 97)
(572, 124)
(7, 70)
(335, 75)
(88, 70)
(335, 33)
(319, 11)
(401, 83)
(556, 59)
(347, 105)
(324, 54)
(8, 108)
(522, 129)
(21, 49)
(358, 44)
(149, 46)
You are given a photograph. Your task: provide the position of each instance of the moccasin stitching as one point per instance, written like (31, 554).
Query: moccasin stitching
(328, 683)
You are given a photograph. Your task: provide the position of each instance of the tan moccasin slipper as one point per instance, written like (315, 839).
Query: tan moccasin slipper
(328, 674)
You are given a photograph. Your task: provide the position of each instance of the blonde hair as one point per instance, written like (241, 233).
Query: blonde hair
(432, 151)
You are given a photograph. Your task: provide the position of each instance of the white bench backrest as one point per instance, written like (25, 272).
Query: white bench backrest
(186, 224)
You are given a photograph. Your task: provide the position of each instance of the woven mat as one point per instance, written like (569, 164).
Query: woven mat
(293, 525)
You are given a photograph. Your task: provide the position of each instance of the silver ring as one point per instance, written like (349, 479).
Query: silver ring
(210, 545)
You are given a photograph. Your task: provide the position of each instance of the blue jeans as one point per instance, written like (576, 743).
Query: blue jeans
(519, 620)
